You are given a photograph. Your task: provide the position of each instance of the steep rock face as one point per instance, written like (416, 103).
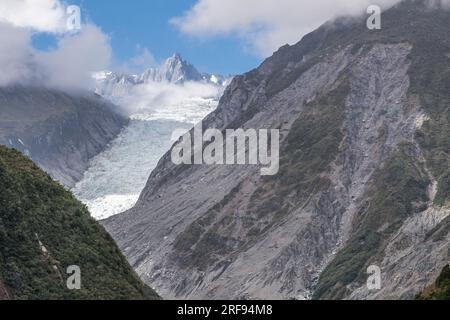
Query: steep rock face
(59, 131)
(174, 70)
(4, 294)
(362, 181)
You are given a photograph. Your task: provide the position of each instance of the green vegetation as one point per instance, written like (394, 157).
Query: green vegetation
(440, 290)
(33, 207)
(399, 190)
(400, 186)
(427, 32)
(430, 80)
(434, 136)
(443, 190)
(440, 232)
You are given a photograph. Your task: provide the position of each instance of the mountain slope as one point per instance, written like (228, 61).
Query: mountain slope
(364, 119)
(440, 290)
(61, 132)
(44, 230)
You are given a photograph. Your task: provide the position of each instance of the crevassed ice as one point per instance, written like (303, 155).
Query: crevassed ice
(117, 176)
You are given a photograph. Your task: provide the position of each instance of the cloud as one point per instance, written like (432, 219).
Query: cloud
(39, 15)
(143, 60)
(266, 24)
(68, 66)
(77, 56)
(15, 60)
(157, 95)
(433, 4)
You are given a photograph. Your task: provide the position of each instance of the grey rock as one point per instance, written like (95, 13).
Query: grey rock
(61, 132)
(194, 232)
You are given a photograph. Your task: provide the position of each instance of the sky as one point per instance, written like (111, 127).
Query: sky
(136, 25)
(217, 36)
(225, 37)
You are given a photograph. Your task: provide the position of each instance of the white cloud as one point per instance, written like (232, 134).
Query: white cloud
(68, 66)
(266, 24)
(39, 15)
(15, 60)
(77, 56)
(143, 60)
(157, 95)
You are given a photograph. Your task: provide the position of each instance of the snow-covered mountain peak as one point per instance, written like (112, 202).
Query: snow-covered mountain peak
(175, 70)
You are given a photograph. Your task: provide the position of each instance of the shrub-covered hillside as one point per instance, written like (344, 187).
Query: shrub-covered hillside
(44, 230)
(440, 290)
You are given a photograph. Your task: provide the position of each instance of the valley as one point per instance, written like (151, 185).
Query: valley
(323, 173)
(162, 104)
(115, 178)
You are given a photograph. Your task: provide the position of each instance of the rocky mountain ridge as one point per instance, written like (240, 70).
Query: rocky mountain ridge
(175, 70)
(364, 122)
(61, 132)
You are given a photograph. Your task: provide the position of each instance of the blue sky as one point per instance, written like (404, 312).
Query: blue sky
(217, 36)
(146, 24)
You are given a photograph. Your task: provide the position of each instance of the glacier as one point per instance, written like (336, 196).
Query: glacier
(162, 104)
(116, 177)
